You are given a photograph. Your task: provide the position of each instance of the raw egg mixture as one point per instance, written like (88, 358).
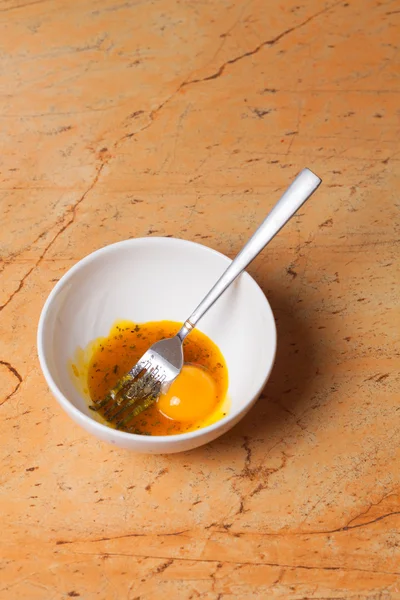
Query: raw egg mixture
(195, 399)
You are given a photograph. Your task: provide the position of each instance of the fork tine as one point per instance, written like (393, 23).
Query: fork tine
(129, 377)
(122, 408)
(140, 365)
(136, 411)
(118, 399)
(132, 374)
(143, 404)
(96, 406)
(134, 392)
(149, 395)
(99, 405)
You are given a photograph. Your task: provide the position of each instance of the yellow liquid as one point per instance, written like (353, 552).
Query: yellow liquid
(200, 396)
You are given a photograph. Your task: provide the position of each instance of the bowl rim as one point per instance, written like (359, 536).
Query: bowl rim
(68, 406)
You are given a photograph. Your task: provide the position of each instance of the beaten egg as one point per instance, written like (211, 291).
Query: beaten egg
(198, 396)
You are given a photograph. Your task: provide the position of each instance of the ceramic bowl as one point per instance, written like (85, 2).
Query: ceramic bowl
(150, 279)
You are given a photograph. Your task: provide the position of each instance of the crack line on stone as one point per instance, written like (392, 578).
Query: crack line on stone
(72, 209)
(233, 562)
(119, 537)
(266, 43)
(14, 371)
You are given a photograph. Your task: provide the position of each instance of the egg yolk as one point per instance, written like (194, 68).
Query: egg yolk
(191, 397)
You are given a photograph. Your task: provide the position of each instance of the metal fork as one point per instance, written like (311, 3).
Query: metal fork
(163, 361)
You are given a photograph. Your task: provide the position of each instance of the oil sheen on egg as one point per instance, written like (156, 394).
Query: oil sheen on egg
(197, 398)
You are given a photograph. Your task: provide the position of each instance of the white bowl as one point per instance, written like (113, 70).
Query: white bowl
(150, 279)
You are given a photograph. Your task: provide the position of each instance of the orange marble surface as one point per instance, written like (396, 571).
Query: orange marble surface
(187, 118)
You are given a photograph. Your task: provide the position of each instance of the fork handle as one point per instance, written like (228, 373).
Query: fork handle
(297, 193)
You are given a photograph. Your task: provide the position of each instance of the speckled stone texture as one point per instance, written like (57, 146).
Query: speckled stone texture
(188, 118)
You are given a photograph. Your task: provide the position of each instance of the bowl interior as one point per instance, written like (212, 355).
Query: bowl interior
(154, 279)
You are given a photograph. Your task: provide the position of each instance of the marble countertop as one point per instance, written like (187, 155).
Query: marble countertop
(134, 118)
